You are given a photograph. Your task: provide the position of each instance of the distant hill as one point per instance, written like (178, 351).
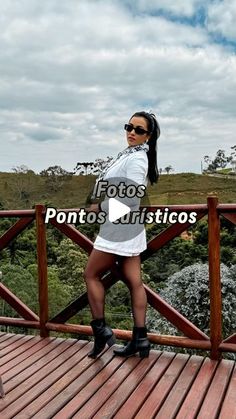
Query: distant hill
(24, 190)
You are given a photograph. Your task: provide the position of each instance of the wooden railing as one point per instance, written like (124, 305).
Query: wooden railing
(193, 336)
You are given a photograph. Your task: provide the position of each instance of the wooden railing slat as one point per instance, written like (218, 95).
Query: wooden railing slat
(75, 235)
(229, 217)
(12, 321)
(230, 339)
(17, 304)
(180, 341)
(14, 231)
(227, 347)
(194, 337)
(174, 317)
(214, 276)
(42, 270)
(81, 302)
(181, 323)
(166, 236)
(17, 213)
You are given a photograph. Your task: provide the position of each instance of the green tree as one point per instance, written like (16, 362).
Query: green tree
(59, 294)
(55, 177)
(169, 169)
(71, 262)
(219, 162)
(24, 284)
(22, 186)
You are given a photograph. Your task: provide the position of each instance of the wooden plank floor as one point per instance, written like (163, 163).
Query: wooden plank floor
(54, 378)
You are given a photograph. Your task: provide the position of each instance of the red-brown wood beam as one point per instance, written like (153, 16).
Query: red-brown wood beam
(174, 317)
(12, 321)
(226, 208)
(81, 302)
(75, 235)
(178, 208)
(230, 339)
(17, 213)
(17, 304)
(179, 321)
(166, 236)
(227, 347)
(214, 276)
(42, 269)
(179, 341)
(230, 217)
(14, 231)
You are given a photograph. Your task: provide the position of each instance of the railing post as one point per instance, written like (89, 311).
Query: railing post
(42, 270)
(214, 276)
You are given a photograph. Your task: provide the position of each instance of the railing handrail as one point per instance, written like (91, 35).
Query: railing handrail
(32, 212)
(193, 336)
(17, 213)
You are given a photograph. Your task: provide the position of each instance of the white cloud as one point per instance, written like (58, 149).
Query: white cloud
(179, 8)
(72, 73)
(222, 17)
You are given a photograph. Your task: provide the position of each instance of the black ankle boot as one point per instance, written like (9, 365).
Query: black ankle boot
(102, 335)
(139, 343)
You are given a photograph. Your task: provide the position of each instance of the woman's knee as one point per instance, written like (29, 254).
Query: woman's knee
(133, 284)
(92, 274)
(98, 264)
(89, 274)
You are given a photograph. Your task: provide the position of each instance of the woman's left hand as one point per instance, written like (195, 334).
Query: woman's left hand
(93, 208)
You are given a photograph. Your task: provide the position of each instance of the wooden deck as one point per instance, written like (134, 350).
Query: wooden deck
(54, 378)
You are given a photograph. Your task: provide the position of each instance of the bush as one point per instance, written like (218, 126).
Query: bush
(188, 292)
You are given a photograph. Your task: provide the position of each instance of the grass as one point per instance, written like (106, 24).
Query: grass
(25, 190)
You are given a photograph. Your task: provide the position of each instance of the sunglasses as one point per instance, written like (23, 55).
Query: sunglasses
(137, 130)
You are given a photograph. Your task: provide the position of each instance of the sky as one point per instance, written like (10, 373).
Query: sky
(73, 72)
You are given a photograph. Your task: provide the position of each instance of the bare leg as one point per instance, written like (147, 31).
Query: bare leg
(131, 269)
(98, 263)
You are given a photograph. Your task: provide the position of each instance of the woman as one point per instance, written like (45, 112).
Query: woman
(138, 163)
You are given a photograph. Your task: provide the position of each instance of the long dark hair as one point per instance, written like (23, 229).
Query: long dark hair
(154, 129)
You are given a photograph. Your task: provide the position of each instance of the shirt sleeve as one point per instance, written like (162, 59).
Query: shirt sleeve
(137, 168)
